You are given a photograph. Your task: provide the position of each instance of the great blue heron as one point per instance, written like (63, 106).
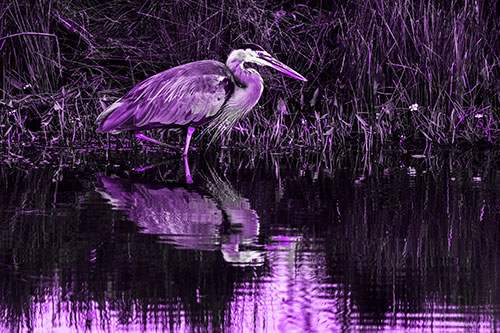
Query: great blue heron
(194, 94)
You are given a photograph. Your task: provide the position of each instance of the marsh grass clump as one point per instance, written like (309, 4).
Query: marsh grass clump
(442, 58)
(367, 64)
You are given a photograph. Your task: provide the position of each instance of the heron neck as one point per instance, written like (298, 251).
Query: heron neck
(249, 89)
(245, 77)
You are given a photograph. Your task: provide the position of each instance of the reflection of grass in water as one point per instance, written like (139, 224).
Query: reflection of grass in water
(432, 244)
(379, 72)
(425, 242)
(415, 233)
(94, 255)
(435, 243)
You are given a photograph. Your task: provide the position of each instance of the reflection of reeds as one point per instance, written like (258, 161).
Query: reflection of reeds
(61, 243)
(367, 63)
(421, 236)
(424, 243)
(417, 235)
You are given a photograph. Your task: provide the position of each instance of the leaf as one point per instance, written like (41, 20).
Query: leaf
(316, 115)
(315, 97)
(281, 106)
(15, 83)
(362, 121)
(329, 132)
(57, 106)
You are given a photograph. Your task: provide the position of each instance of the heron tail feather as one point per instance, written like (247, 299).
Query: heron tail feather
(106, 123)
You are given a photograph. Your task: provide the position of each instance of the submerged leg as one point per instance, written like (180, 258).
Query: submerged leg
(188, 139)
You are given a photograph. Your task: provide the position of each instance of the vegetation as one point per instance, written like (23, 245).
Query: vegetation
(380, 72)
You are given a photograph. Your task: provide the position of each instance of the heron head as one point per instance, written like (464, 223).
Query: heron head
(255, 54)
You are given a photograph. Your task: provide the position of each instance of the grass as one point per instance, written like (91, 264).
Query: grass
(380, 72)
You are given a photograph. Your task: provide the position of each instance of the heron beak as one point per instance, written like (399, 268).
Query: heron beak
(267, 60)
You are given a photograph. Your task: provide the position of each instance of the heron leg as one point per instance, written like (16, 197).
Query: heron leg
(143, 137)
(188, 139)
(189, 180)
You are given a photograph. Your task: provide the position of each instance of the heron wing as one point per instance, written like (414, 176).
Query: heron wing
(186, 94)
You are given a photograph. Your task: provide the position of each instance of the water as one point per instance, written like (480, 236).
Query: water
(260, 243)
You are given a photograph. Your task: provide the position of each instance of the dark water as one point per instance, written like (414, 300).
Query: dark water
(259, 243)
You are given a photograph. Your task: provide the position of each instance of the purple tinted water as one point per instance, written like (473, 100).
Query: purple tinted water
(255, 244)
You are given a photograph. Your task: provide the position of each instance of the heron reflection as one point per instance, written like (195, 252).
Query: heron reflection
(213, 216)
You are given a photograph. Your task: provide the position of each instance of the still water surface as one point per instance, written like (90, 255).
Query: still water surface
(267, 243)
